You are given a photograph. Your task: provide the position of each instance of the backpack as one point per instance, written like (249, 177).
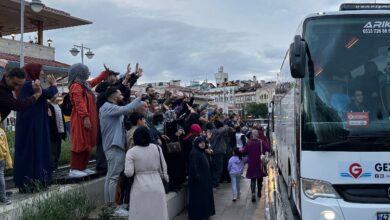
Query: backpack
(66, 105)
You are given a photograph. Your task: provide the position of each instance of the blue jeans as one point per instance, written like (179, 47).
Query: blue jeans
(2, 181)
(235, 184)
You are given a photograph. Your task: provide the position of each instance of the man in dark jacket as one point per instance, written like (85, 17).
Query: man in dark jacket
(11, 82)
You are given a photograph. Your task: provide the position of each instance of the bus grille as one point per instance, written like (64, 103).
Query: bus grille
(364, 193)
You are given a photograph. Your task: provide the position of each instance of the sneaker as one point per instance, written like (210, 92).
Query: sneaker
(5, 201)
(89, 171)
(77, 174)
(121, 212)
(238, 195)
(234, 198)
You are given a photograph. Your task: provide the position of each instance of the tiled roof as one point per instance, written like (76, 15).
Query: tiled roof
(52, 63)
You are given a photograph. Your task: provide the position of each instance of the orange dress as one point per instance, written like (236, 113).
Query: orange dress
(84, 105)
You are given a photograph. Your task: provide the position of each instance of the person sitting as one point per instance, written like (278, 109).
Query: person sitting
(357, 104)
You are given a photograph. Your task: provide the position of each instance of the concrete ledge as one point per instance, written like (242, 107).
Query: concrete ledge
(176, 201)
(19, 201)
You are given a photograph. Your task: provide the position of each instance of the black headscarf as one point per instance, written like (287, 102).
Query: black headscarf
(142, 137)
(197, 141)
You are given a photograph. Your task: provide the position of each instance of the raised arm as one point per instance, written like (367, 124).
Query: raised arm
(114, 110)
(102, 76)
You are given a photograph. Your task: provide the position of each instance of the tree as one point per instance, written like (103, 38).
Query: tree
(257, 110)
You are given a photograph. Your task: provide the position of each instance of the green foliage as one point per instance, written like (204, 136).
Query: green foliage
(65, 153)
(257, 110)
(11, 138)
(68, 206)
(106, 213)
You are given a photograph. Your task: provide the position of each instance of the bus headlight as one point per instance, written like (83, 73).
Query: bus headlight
(316, 188)
(328, 215)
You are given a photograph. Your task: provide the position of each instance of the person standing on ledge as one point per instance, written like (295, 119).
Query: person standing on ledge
(83, 119)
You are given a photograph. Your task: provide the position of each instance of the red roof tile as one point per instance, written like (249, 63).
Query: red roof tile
(53, 63)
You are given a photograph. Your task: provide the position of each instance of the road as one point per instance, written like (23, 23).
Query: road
(242, 209)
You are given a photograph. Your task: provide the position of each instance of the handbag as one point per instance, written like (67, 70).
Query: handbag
(164, 182)
(123, 187)
(174, 146)
(264, 160)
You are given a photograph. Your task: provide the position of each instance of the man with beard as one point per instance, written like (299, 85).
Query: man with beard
(114, 137)
(124, 84)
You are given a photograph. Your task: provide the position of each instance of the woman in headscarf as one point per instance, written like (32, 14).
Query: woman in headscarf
(175, 160)
(83, 119)
(147, 196)
(32, 169)
(186, 144)
(200, 185)
(254, 148)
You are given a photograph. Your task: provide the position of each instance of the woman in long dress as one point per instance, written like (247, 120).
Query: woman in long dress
(201, 198)
(32, 170)
(147, 196)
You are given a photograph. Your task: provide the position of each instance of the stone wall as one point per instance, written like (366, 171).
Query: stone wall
(30, 50)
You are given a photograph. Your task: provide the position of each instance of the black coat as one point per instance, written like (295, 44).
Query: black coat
(201, 199)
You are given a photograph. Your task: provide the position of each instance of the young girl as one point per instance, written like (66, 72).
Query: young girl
(5, 162)
(236, 168)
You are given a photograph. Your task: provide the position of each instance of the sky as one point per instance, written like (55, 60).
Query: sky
(184, 39)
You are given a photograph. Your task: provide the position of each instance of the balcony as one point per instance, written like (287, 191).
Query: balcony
(30, 49)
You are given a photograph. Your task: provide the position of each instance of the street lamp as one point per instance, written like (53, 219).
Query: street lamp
(49, 42)
(74, 51)
(36, 6)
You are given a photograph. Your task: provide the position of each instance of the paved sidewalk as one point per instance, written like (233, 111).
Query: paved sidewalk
(242, 209)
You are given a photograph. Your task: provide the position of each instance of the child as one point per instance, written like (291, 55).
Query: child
(5, 162)
(236, 168)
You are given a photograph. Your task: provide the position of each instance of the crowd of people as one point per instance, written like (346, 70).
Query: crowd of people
(147, 145)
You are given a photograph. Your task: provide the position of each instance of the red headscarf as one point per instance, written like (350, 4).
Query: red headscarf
(195, 130)
(33, 71)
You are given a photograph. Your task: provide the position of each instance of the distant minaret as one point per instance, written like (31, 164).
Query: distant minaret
(221, 77)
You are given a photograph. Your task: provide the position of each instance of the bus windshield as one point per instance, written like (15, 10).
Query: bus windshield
(349, 107)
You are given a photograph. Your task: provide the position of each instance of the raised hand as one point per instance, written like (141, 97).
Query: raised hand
(136, 68)
(106, 68)
(36, 86)
(140, 72)
(128, 70)
(52, 80)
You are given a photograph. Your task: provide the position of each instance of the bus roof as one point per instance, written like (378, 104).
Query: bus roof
(349, 12)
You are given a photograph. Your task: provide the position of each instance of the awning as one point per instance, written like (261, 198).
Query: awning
(50, 66)
(49, 17)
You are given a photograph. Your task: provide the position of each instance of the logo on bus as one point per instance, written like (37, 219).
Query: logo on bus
(355, 170)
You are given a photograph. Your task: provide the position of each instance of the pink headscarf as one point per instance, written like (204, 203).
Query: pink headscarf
(195, 130)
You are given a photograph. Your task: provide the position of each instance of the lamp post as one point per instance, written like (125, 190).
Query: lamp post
(74, 51)
(36, 6)
(49, 42)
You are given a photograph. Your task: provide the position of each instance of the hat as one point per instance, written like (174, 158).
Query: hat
(113, 73)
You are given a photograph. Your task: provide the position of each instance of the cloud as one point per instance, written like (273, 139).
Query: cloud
(186, 40)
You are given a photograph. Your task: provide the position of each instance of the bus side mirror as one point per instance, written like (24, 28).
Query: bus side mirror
(298, 57)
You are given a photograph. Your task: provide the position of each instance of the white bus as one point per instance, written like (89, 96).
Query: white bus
(331, 115)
